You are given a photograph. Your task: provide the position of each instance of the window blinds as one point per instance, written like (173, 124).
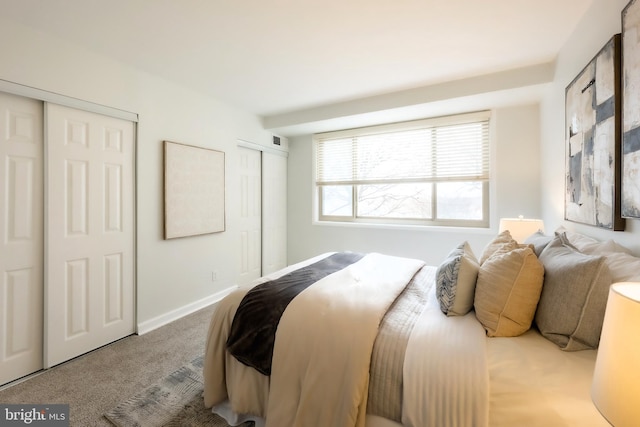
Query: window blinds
(423, 151)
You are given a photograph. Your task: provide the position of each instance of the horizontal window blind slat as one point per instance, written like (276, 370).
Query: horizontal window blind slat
(458, 151)
(476, 178)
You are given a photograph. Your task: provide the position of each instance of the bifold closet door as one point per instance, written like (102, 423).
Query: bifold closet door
(21, 237)
(89, 247)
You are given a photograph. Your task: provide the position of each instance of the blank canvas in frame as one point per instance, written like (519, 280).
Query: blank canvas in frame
(193, 190)
(631, 110)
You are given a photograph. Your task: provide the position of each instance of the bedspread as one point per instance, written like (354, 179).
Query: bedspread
(324, 342)
(243, 390)
(253, 331)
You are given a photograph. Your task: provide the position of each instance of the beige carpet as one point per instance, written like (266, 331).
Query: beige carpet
(97, 382)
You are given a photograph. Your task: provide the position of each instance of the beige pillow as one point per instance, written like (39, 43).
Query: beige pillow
(507, 291)
(456, 281)
(574, 296)
(503, 241)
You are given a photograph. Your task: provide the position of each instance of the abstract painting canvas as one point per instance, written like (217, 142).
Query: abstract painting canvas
(593, 141)
(631, 110)
(193, 190)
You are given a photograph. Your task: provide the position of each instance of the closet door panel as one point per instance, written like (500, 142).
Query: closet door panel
(274, 212)
(21, 237)
(90, 232)
(250, 215)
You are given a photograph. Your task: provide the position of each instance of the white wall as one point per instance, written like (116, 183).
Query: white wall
(170, 274)
(515, 139)
(600, 23)
(176, 273)
(529, 172)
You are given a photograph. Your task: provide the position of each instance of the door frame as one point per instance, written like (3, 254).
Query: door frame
(56, 98)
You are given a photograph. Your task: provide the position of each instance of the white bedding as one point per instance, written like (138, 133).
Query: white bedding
(535, 384)
(446, 382)
(532, 382)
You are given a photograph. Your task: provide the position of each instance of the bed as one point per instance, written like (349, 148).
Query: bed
(389, 341)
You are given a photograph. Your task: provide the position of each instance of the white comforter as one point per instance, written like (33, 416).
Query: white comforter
(321, 378)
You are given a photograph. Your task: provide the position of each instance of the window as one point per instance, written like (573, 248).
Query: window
(427, 172)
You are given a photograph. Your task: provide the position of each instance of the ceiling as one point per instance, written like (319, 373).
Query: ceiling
(276, 57)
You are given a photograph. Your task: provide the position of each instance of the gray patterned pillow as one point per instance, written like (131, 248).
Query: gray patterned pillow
(456, 281)
(574, 296)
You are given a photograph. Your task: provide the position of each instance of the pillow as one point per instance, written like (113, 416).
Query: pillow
(502, 241)
(574, 296)
(609, 246)
(622, 266)
(539, 240)
(507, 291)
(584, 244)
(456, 281)
(589, 245)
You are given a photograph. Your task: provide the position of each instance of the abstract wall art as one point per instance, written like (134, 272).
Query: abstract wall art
(631, 110)
(593, 141)
(194, 194)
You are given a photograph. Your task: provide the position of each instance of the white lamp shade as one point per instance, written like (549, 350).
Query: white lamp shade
(616, 380)
(521, 228)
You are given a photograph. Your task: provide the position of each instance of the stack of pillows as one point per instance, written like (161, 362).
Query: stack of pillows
(560, 282)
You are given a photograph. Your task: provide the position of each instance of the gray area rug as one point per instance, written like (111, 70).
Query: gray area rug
(174, 401)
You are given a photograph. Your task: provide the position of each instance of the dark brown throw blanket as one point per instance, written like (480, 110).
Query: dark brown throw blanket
(253, 330)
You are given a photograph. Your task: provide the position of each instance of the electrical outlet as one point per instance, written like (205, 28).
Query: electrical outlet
(214, 276)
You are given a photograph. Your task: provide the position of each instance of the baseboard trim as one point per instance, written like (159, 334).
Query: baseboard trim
(164, 319)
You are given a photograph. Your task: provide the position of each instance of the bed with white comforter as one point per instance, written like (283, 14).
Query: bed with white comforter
(370, 346)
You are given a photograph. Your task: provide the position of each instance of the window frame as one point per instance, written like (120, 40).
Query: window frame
(434, 221)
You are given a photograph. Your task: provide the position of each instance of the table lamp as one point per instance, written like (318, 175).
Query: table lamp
(616, 380)
(521, 228)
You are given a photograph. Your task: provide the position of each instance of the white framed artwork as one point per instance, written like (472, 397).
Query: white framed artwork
(194, 190)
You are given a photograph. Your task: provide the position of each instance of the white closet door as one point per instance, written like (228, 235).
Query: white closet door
(89, 247)
(21, 237)
(274, 212)
(250, 214)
